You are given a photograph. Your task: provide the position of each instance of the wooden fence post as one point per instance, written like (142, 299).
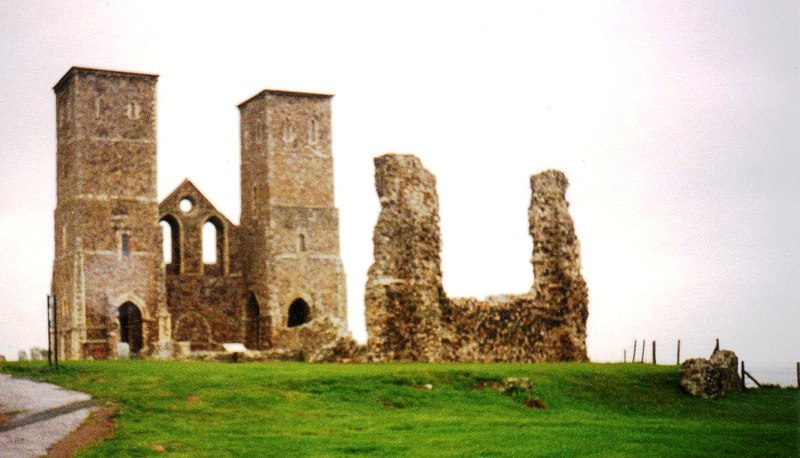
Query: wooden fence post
(654, 352)
(643, 342)
(625, 355)
(633, 360)
(744, 385)
(679, 352)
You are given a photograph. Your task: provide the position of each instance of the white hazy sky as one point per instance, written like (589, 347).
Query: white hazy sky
(677, 124)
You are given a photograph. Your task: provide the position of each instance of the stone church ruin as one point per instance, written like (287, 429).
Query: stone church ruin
(278, 280)
(276, 284)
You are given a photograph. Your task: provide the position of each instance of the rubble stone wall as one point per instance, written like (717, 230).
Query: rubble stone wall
(409, 317)
(404, 294)
(205, 301)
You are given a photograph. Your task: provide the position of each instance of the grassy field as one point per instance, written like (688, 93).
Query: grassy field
(288, 409)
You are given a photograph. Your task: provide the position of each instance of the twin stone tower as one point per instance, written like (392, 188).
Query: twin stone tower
(277, 283)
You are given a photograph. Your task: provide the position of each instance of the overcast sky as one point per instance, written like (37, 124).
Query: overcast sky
(677, 124)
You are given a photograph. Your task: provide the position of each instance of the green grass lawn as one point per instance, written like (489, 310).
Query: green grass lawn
(288, 409)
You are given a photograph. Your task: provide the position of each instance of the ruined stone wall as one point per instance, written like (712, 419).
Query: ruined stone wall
(206, 301)
(558, 283)
(404, 293)
(408, 314)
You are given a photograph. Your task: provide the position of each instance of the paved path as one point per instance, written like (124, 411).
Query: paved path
(44, 415)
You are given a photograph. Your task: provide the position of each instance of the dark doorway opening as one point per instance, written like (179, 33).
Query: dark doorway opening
(253, 331)
(130, 326)
(299, 313)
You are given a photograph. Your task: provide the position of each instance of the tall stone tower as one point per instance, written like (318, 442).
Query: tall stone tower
(290, 226)
(107, 269)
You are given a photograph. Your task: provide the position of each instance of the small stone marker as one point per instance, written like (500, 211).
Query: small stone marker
(123, 350)
(234, 347)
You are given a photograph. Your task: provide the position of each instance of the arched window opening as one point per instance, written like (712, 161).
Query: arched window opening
(253, 329)
(166, 236)
(171, 243)
(99, 106)
(299, 313)
(210, 254)
(287, 131)
(130, 326)
(301, 242)
(313, 132)
(134, 110)
(213, 243)
(125, 241)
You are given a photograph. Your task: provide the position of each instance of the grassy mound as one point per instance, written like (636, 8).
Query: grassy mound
(289, 409)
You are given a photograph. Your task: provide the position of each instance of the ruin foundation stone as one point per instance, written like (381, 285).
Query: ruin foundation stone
(409, 316)
(713, 377)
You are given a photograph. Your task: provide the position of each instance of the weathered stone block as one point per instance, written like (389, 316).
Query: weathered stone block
(711, 378)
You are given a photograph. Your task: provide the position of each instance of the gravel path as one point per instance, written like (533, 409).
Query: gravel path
(42, 415)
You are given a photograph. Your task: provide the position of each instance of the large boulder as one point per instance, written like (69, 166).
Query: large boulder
(711, 378)
(728, 365)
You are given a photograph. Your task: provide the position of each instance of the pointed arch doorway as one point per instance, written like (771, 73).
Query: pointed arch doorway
(299, 313)
(130, 326)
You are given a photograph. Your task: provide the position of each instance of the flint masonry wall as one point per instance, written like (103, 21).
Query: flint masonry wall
(409, 317)
(206, 301)
(404, 294)
(558, 284)
(107, 244)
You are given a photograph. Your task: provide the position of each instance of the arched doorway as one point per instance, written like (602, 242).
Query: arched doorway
(253, 328)
(130, 326)
(299, 313)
